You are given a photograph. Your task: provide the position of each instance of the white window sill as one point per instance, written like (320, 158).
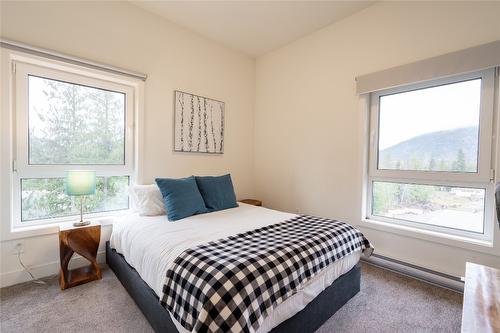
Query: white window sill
(483, 246)
(53, 228)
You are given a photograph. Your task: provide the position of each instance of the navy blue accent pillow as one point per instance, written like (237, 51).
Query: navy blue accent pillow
(181, 197)
(217, 192)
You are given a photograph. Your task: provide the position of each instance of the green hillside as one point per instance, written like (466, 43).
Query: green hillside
(452, 150)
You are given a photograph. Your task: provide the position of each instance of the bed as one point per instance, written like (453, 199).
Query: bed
(142, 250)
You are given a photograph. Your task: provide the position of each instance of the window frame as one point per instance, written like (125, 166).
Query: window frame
(482, 179)
(23, 67)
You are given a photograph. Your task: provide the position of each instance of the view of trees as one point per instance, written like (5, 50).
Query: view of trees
(456, 207)
(46, 197)
(459, 164)
(73, 124)
(444, 151)
(387, 196)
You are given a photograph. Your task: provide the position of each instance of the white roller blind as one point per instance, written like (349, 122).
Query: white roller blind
(459, 62)
(49, 54)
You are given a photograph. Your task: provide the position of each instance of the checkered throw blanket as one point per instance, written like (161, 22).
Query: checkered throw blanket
(232, 284)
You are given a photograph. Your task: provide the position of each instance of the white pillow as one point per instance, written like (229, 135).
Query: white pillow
(147, 200)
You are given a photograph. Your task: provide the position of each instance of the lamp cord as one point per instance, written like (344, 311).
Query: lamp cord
(33, 278)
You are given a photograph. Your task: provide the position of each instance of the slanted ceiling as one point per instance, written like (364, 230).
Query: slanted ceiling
(253, 27)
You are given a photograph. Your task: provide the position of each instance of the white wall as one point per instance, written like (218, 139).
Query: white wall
(308, 122)
(120, 34)
(305, 150)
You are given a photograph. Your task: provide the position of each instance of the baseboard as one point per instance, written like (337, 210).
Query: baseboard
(43, 270)
(417, 272)
(420, 273)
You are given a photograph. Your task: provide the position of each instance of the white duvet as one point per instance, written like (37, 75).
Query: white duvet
(150, 244)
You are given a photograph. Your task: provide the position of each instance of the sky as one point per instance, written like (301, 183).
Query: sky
(406, 115)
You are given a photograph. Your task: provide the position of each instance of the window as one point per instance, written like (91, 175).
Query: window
(430, 155)
(69, 119)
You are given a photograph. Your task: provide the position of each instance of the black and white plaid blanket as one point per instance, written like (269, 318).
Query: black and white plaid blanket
(232, 284)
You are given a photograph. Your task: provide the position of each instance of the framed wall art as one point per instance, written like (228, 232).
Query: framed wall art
(198, 124)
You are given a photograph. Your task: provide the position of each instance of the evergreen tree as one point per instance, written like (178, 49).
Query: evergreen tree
(459, 164)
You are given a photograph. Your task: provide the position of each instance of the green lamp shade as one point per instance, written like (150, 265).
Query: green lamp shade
(80, 182)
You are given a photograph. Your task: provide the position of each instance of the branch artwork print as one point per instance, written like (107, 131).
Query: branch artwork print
(198, 124)
(181, 103)
(191, 124)
(221, 126)
(212, 126)
(205, 118)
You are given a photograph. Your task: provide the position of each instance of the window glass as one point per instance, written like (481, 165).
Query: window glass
(431, 129)
(43, 198)
(444, 206)
(75, 124)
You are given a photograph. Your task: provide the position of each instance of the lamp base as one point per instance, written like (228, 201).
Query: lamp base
(81, 223)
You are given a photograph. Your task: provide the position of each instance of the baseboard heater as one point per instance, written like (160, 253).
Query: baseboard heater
(420, 273)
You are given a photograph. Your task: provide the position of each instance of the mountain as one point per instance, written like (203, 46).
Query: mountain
(444, 150)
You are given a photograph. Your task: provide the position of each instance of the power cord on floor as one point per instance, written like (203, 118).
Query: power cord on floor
(33, 278)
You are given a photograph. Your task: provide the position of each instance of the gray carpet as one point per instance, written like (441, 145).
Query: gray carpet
(387, 302)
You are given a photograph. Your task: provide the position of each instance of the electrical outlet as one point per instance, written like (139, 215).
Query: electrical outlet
(18, 248)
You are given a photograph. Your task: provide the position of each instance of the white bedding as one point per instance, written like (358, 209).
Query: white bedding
(150, 244)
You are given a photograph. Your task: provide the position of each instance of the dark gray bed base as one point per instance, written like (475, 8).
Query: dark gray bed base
(307, 320)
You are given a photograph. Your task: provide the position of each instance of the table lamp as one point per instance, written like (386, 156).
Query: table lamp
(80, 183)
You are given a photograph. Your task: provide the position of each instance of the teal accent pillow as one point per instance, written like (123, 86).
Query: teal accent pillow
(217, 192)
(181, 197)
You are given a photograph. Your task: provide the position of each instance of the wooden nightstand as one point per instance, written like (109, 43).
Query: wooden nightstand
(84, 241)
(253, 202)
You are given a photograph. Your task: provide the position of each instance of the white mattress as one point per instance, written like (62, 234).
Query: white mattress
(150, 244)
